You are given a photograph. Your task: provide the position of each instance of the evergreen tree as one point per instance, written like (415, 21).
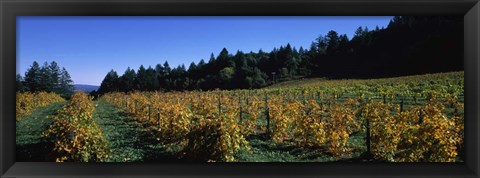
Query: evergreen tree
(167, 83)
(167, 68)
(151, 82)
(54, 76)
(223, 56)
(66, 84)
(32, 78)
(141, 79)
(192, 67)
(128, 81)
(192, 75)
(212, 59)
(223, 60)
(46, 78)
(343, 44)
(201, 64)
(20, 87)
(321, 44)
(109, 83)
(160, 75)
(333, 41)
(359, 33)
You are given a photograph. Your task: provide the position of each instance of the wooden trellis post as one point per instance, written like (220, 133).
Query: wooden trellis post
(219, 104)
(368, 139)
(420, 117)
(158, 116)
(401, 105)
(148, 111)
(240, 105)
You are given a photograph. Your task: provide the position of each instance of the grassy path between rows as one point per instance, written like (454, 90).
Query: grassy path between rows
(265, 150)
(128, 140)
(31, 146)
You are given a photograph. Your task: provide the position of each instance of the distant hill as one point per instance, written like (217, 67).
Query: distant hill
(322, 82)
(85, 88)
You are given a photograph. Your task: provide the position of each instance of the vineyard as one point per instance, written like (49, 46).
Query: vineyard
(27, 102)
(406, 119)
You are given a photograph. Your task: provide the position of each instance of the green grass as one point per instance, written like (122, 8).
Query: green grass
(265, 150)
(31, 146)
(128, 140)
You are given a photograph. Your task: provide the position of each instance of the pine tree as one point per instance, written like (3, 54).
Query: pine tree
(32, 78)
(141, 79)
(151, 82)
(66, 83)
(167, 79)
(54, 76)
(46, 83)
(109, 83)
(332, 42)
(359, 33)
(127, 80)
(160, 76)
(20, 87)
(320, 45)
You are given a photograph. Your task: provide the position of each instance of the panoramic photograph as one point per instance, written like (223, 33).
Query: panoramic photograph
(181, 89)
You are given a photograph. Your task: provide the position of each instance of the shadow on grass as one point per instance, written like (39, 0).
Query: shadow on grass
(267, 150)
(30, 145)
(153, 151)
(35, 152)
(129, 140)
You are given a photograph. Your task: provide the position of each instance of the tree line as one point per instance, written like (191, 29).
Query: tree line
(49, 78)
(409, 45)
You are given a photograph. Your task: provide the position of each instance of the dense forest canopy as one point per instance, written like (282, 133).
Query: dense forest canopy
(409, 45)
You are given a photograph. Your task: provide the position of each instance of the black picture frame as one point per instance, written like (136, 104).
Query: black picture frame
(9, 9)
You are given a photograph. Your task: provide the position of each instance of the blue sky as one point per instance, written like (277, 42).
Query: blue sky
(89, 47)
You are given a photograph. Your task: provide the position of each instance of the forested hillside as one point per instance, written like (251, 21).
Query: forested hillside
(409, 45)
